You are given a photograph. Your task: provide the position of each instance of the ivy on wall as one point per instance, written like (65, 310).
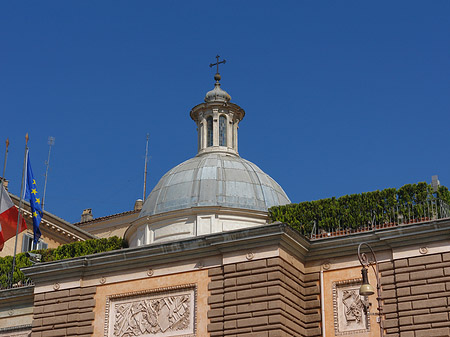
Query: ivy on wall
(357, 210)
(67, 251)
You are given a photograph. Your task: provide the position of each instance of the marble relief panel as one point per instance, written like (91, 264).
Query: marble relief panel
(349, 314)
(161, 312)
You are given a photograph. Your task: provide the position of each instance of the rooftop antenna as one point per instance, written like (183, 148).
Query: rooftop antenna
(145, 168)
(2, 178)
(50, 142)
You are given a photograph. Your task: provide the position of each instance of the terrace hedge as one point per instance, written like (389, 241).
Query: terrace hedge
(357, 210)
(66, 251)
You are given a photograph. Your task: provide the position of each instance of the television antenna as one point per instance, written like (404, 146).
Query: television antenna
(50, 142)
(145, 169)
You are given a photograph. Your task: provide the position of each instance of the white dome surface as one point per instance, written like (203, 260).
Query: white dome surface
(214, 179)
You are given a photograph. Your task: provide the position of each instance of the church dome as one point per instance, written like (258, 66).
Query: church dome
(217, 190)
(214, 179)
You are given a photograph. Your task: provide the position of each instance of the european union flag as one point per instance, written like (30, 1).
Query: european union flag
(30, 193)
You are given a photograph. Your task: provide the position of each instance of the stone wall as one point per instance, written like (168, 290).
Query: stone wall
(263, 298)
(64, 313)
(16, 310)
(416, 294)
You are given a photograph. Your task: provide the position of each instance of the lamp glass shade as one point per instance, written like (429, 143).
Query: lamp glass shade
(366, 290)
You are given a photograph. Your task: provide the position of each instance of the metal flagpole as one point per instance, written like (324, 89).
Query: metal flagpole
(145, 168)
(20, 209)
(4, 170)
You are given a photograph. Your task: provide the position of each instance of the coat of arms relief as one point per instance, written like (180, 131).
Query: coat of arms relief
(349, 314)
(157, 313)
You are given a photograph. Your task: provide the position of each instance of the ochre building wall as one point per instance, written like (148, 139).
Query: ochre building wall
(262, 298)
(416, 295)
(264, 290)
(66, 312)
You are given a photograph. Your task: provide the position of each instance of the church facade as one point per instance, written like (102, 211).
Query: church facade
(204, 260)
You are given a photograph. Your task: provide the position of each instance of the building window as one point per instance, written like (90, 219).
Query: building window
(222, 131)
(209, 131)
(27, 243)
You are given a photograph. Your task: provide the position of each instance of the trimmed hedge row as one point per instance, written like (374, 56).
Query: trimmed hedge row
(357, 210)
(66, 251)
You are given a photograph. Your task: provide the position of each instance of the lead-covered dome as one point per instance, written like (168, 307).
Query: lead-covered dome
(217, 95)
(214, 179)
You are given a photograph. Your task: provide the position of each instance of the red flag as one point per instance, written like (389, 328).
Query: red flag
(8, 218)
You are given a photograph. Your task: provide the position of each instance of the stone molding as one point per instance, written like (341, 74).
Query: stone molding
(217, 244)
(164, 253)
(380, 239)
(238, 112)
(14, 294)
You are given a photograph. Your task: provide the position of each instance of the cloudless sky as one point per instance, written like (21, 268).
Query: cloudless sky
(340, 97)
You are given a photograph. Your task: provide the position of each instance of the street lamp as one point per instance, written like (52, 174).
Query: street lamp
(366, 289)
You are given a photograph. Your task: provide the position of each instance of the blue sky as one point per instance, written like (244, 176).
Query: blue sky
(340, 97)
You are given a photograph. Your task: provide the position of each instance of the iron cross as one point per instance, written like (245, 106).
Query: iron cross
(217, 63)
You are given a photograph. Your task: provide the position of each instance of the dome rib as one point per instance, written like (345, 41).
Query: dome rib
(259, 182)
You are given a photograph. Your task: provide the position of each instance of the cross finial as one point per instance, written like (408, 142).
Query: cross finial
(217, 76)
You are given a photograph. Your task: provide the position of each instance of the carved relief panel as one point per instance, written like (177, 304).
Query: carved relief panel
(349, 314)
(161, 312)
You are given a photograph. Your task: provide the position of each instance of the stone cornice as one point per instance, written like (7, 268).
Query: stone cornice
(217, 244)
(131, 258)
(105, 219)
(204, 106)
(382, 239)
(54, 224)
(8, 297)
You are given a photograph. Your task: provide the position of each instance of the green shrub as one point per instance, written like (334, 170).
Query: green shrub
(357, 210)
(66, 251)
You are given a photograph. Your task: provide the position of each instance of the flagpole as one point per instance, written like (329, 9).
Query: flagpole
(4, 169)
(20, 209)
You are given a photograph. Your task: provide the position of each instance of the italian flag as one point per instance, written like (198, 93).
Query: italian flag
(8, 218)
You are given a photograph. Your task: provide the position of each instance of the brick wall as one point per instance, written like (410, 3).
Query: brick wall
(263, 298)
(416, 294)
(64, 313)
